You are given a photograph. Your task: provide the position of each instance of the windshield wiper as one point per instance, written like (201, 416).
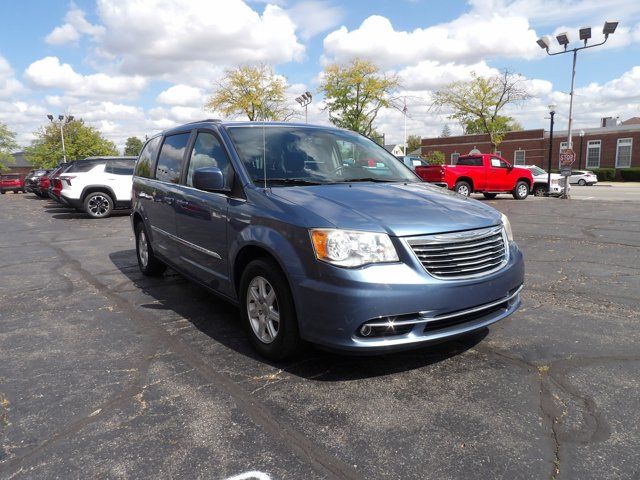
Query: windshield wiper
(368, 179)
(290, 181)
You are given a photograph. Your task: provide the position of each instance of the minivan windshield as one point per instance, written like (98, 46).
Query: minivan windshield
(299, 155)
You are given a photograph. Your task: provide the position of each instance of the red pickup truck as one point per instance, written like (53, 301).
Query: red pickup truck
(486, 173)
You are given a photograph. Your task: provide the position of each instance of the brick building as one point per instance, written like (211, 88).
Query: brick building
(613, 146)
(20, 164)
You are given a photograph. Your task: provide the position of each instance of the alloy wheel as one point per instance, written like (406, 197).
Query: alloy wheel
(98, 205)
(263, 310)
(143, 249)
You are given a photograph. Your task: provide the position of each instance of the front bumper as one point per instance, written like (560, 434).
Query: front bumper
(555, 189)
(417, 308)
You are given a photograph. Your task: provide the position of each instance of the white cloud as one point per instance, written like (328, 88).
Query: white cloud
(470, 38)
(154, 37)
(429, 74)
(75, 25)
(312, 17)
(180, 94)
(48, 72)
(9, 85)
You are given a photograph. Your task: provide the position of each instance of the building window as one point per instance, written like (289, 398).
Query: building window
(498, 153)
(454, 158)
(519, 157)
(593, 154)
(623, 153)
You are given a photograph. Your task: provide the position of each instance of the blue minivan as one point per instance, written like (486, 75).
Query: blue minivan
(319, 234)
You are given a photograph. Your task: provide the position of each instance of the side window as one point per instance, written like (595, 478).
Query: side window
(171, 156)
(208, 152)
(120, 167)
(84, 166)
(498, 163)
(145, 160)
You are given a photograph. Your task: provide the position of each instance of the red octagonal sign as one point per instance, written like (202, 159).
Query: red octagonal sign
(567, 157)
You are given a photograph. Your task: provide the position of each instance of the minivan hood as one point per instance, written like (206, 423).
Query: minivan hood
(398, 209)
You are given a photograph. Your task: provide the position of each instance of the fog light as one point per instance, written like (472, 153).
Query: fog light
(365, 330)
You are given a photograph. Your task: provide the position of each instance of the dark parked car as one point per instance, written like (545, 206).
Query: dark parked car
(320, 234)
(11, 182)
(31, 180)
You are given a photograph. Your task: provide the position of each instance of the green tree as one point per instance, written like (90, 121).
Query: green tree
(133, 146)
(254, 91)
(446, 131)
(355, 93)
(435, 157)
(80, 141)
(502, 124)
(478, 102)
(7, 146)
(414, 142)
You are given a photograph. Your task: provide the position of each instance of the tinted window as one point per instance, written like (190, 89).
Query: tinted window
(84, 165)
(171, 156)
(120, 167)
(208, 152)
(470, 161)
(146, 158)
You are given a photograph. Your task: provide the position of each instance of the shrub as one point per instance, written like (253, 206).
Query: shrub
(435, 158)
(630, 174)
(605, 174)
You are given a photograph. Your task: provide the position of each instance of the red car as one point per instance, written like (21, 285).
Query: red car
(42, 188)
(11, 182)
(485, 173)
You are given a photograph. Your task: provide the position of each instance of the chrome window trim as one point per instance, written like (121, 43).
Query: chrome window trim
(186, 243)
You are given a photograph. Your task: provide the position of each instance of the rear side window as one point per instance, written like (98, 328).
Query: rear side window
(171, 157)
(146, 158)
(84, 166)
(120, 167)
(470, 161)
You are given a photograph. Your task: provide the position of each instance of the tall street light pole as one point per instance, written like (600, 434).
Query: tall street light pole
(304, 100)
(62, 119)
(563, 39)
(552, 112)
(581, 145)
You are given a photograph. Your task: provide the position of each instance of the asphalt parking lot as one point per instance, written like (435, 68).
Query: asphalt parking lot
(105, 373)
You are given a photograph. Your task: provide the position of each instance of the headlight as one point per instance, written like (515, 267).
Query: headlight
(348, 248)
(507, 227)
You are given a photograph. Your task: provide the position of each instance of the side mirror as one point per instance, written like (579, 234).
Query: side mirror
(209, 179)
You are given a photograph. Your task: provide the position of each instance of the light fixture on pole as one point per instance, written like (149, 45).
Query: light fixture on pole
(62, 119)
(552, 112)
(581, 144)
(563, 40)
(304, 100)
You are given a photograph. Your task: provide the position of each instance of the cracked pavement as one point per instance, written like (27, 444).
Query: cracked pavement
(105, 373)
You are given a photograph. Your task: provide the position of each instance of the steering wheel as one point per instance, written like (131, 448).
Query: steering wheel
(337, 169)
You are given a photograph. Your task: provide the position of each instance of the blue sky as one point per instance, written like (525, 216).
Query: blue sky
(133, 68)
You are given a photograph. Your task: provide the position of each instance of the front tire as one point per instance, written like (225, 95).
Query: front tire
(98, 205)
(463, 188)
(539, 190)
(521, 191)
(267, 310)
(147, 262)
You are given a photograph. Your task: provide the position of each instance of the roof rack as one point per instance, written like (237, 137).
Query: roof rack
(217, 120)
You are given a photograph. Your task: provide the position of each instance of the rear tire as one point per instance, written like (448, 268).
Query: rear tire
(582, 182)
(267, 310)
(521, 191)
(490, 196)
(463, 188)
(98, 205)
(147, 261)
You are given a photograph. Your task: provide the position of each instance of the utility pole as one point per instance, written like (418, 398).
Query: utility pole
(552, 112)
(63, 119)
(404, 111)
(304, 100)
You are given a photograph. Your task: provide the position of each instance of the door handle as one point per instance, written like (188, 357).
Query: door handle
(169, 200)
(144, 195)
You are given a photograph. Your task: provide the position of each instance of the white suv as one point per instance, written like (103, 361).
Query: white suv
(540, 180)
(97, 185)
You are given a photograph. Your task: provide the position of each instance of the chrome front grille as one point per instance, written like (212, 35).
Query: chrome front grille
(462, 254)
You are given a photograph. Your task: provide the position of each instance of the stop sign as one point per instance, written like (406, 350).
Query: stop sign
(567, 157)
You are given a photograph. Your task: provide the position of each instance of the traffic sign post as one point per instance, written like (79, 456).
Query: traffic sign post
(567, 157)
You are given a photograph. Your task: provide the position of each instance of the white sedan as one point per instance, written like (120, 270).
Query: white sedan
(583, 177)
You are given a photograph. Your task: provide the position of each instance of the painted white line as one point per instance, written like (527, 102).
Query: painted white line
(250, 476)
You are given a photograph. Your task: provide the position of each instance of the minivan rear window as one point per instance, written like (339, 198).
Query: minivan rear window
(146, 158)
